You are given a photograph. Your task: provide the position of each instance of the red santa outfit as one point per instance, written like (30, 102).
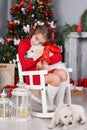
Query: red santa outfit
(30, 64)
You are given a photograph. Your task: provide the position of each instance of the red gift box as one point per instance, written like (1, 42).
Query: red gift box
(85, 82)
(72, 81)
(79, 82)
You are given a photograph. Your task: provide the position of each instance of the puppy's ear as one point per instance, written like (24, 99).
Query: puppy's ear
(57, 116)
(54, 121)
(57, 113)
(38, 51)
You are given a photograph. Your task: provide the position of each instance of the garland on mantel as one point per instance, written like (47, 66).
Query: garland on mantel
(66, 29)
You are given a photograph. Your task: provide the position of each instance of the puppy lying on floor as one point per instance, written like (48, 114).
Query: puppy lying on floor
(67, 115)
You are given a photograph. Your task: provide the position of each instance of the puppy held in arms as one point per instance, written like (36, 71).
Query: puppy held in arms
(43, 54)
(34, 52)
(67, 115)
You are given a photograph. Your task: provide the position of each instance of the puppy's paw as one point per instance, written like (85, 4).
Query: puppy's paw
(83, 121)
(51, 126)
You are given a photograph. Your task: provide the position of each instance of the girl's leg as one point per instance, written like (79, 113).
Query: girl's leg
(62, 86)
(51, 93)
(61, 73)
(53, 79)
(56, 77)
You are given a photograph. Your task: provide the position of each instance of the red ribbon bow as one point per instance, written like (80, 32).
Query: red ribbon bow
(21, 3)
(46, 54)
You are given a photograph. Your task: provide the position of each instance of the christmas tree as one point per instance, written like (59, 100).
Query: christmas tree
(26, 14)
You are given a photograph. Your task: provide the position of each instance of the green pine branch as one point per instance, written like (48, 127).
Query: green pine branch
(83, 18)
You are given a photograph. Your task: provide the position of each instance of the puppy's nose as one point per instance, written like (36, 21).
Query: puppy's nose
(70, 123)
(25, 53)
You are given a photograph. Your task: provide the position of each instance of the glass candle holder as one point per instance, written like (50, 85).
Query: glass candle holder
(21, 103)
(5, 106)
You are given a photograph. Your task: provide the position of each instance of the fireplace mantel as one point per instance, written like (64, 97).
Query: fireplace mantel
(72, 47)
(77, 35)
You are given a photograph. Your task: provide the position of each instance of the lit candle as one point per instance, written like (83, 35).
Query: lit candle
(22, 112)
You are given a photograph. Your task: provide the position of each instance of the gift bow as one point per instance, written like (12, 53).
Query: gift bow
(46, 54)
(21, 3)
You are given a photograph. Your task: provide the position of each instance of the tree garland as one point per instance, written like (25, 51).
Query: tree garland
(82, 27)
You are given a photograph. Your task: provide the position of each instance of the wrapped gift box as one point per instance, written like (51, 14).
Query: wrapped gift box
(85, 82)
(7, 72)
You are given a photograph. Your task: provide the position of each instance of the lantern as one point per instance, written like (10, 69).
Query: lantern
(5, 106)
(21, 104)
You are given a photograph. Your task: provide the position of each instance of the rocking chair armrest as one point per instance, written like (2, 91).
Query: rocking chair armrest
(69, 69)
(36, 72)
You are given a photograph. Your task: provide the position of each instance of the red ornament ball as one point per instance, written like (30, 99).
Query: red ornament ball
(41, 3)
(51, 14)
(27, 10)
(31, 28)
(19, 12)
(47, 9)
(46, 14)
(41, 11)
(12, 12)
(49, 0)
(10, 31)
(78, 28)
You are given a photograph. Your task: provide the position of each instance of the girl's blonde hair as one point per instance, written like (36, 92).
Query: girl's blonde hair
(44, 30)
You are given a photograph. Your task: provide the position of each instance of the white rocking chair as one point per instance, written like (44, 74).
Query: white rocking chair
(43, 99)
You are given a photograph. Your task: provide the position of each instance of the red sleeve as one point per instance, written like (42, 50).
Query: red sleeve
(56, 58)
(27, 64)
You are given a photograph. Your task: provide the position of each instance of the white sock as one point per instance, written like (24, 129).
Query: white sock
(51, 93)
(61, 93)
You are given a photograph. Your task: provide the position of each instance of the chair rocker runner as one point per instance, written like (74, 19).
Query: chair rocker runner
(42, 88)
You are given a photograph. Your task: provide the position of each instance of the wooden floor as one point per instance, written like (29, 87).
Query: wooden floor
(42, 124)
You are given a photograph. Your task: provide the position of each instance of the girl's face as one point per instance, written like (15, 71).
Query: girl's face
(37, 39)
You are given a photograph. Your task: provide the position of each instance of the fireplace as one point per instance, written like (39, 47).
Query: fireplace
(76, 54)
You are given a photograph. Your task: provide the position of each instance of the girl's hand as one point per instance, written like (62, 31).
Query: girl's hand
(41, 65)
